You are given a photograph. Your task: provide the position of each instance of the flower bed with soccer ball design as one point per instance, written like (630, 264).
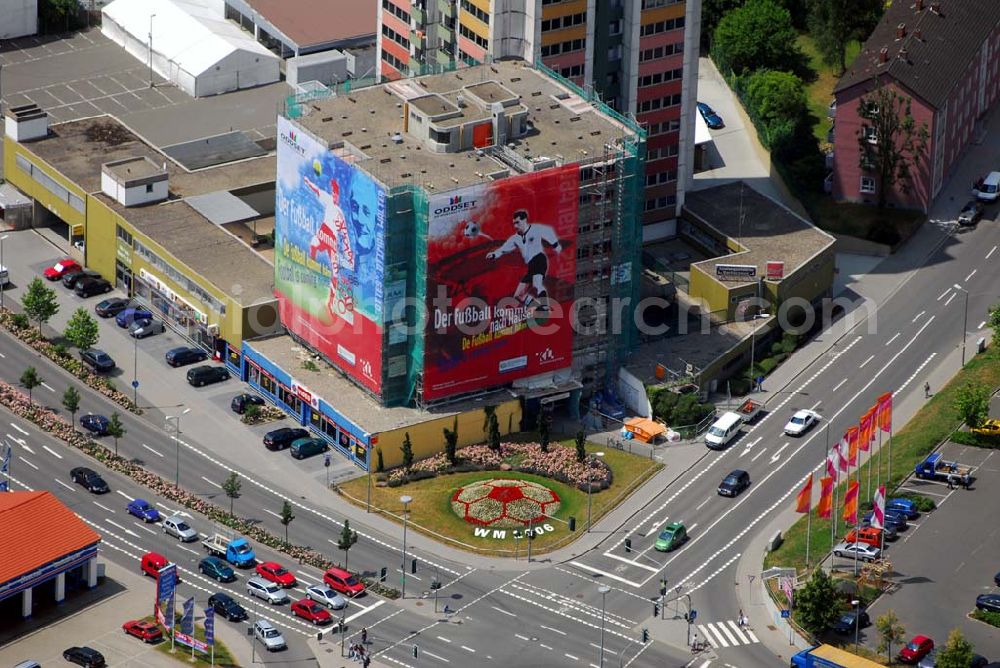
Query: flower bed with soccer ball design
(504, 503)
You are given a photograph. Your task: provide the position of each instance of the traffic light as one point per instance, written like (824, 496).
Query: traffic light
(413, 567)
(628, 545)
(656, 610)
(383, 574)
(645, 636)
(572, 524)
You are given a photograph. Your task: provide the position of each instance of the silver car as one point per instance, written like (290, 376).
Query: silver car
(863, 551)
(142, 328)
(265, 632)
(326, 596)
(268, 591)
(178, 528)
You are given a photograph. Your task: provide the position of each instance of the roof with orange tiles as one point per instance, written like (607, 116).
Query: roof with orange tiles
(35, 529)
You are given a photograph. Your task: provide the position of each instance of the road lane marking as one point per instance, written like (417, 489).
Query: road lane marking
(699, 506)
(754, 458)
(214, 484)
(541, 644)
(549, 628)
(64, 484)
(971, 274)
(894, 337)
(776, 455)
(633, 562)
(151, 450)
(711, 638)
(865, 363)
(737, 631)
(99, 505)
(981, 325)
(729, 636)
(366, 610)
(52, 452)
(516, 635)
(128, 531)
(271, 512)
(468, 649)
(943, 294)
(130, 499)
(597, 571)
(915, 373)
(992, 250)
(18, 428)
(434, 656)
(950, 299)
(27, 462)
(443, 639)
(501, 611)
(839, 385)
(48, 387)
(750, 445)
(570, 656)
(917, 316)
(750, 633)
(409, 575)
(188, 549)
(144, 528)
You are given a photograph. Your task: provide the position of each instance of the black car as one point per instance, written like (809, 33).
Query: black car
(226, 606)
(111, 307)
(206, 375)
(970, 213)
(89, 287)
(988, 602)
(89, 479)
(84, 656)
(183, 356)
(72, 278)
(241, 401)
(279, 439)
(845, 624)
(95, 424)
(734, 483)
(98, 359)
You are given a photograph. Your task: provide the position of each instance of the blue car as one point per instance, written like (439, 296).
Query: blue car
(896, 520)
(904, 507)
(130, 315)
(145, 512)
(95, 424)
(712, 119)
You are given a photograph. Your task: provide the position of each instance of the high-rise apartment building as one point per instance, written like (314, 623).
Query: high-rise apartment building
(638, 56)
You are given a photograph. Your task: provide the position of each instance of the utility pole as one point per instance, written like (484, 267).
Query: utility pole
(151, 17)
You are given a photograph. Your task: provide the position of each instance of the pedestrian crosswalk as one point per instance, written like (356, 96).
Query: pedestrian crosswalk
(727, 634)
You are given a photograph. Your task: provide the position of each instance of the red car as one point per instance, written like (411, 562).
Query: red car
(143, 630)
(916, 649)
(61, 268)
(276, 573)
(311, 611)
(344, 582)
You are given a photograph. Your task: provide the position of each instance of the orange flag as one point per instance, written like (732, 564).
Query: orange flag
(851, 503)
(852, 437)
(885, 412)
(804, 501)
(867, 428)
(825, 507)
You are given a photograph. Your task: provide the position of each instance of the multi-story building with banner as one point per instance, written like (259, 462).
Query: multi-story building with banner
(638, 56)
(443, 237)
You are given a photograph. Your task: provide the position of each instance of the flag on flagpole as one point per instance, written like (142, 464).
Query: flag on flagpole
(831, 463)
(825, 507)
(878, 508)
(867, 428)
(842, 459)
(885, 412)
(851, 503)
(803, 502)
(850, 443)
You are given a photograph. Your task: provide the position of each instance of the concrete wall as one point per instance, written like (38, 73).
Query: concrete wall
(18, 18)
(331, 68)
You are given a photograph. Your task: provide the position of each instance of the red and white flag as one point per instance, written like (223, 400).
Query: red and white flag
(844, 465)
(831, 464)
(878, 510)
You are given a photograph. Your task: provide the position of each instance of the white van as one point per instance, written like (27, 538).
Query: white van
(987, 190)
(723, 430)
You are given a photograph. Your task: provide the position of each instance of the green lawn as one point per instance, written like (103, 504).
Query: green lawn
(910, 444)
(431, 513)
(183, 653)
(820, 91)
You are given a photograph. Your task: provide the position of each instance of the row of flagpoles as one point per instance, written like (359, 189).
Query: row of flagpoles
(839, 462)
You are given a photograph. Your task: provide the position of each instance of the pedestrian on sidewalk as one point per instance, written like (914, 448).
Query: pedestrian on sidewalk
(927, 390)
(367, 662)
(951, 481)
(966, 481)
(740, 621)
(364, 635)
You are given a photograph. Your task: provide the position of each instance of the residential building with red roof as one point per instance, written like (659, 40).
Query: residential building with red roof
(42, 540)
(945, 56)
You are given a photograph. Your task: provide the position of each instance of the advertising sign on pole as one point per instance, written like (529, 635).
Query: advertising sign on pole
(775, 270)
(209, 626)
(187, 619)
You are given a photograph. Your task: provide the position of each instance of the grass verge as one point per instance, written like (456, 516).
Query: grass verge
(431, 513)
(930, 426)
(183, 652)
(819, 93)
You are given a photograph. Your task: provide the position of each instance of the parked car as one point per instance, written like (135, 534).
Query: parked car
(989, 427)
(988, 602)
(126, 317)
(307, 447)
(265, 632)
(95, 424)
(88, 287)
(734, 483)
(279, 439)
(84, 656)
(861, 550)
(97, 359)
(176, 526)
(970, 213)
(893, 518)
(344, 582)
(801, 422)
(671, 537)
(712, 119)
(70, 278)
(143, 510)
(905, 507)
(216, 568)
(268, 591)
(61, 268)
(226, 605)
(206, 375)
(846, 623)
(274, 572)
(140, 329)
(996, 579)
(977, 661)
(867, 535)
(143, 630)
(311, 611)
(183, 356)
(916, 649)
(89, 480)
(890, 530)
(241, 401)
(327, 596)
(111, 306)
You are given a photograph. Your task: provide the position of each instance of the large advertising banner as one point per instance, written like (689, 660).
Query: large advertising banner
(329, 254)
(501, 263)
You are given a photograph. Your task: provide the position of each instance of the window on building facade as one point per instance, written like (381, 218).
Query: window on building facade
(867, 185)
(396, 11)
(393, 61)
(870, 134)
(468, 34)
(478, 13)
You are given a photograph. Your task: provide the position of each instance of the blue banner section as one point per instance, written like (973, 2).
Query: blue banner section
(187, 621)
(209, 626)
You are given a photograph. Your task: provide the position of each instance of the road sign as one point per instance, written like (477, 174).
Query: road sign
(785, 614)
(326, 460)
(135, 384)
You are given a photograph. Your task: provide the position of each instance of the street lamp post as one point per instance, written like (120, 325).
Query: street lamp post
(965, 320)
(603, 589)
(406, 502)
(3, 281)
(857, 622)
(753, 345)
(177, 443)
(135, 369)
(590, 485)
(151, 17)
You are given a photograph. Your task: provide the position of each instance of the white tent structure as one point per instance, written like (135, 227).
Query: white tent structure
(193, 45)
